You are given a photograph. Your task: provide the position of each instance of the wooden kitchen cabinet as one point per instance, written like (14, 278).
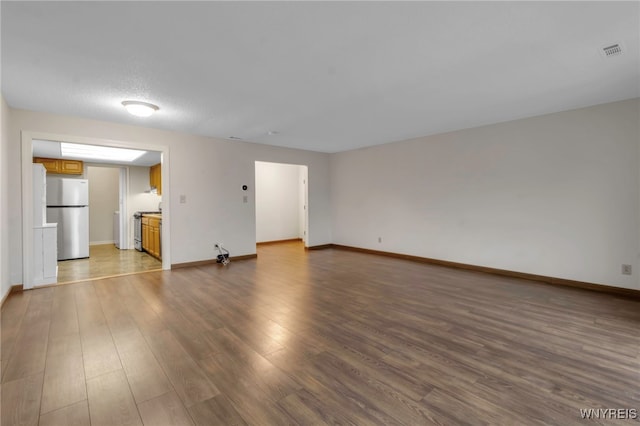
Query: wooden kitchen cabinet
(71, 167)
(155, 241)
(155, 177)
(151, 226)
(145, 234)
(59, 166)
(50, 164)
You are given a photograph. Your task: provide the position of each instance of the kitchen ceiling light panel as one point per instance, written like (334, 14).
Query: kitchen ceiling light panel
(95, 152)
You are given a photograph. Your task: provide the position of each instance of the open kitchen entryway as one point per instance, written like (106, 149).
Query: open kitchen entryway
(110, 249)
(83, 196)
(281, 202)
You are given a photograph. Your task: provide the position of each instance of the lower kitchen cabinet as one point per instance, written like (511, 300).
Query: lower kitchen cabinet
(151, 236)
(145, 233)
(155, 241)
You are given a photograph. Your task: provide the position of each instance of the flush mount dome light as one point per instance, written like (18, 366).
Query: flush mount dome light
(140, 109)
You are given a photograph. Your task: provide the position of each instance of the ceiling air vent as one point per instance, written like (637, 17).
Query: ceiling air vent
(613, 50)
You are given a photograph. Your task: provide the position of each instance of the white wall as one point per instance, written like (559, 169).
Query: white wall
(555, 195)
(5, 280)
(140, 199)
(278, 202)
(209, 172)
(104, 192)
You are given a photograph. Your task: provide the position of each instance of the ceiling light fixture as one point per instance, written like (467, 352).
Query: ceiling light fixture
(272, 132)
(140, 109)
(95, 152)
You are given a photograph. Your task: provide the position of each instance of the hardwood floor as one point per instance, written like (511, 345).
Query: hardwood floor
(316, 337)
(106, 260)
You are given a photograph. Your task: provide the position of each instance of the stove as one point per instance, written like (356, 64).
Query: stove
(137, 228)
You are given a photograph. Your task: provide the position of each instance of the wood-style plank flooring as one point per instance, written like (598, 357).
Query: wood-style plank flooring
(106, 260)
(316, 337)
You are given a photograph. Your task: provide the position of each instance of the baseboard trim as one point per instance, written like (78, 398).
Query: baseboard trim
(4, 297)
(627, 292)
(102, 243)
(210, 261)
(290, 240)
(191, 264)
(245, 257)
(14, 289)
(322, 247)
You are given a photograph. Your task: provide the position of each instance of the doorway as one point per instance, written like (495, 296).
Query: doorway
(128, 189)
(110, 250)
(281, 202)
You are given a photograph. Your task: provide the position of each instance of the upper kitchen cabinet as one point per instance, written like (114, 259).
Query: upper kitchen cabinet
(155, 177)
(50, 164)
(71, 167)
(64, 167)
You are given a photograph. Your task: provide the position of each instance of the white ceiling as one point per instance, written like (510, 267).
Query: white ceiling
(327, 76)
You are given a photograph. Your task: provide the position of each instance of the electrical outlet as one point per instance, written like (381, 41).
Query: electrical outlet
(626, 269)
(245, 199)
(379, 239)
(183, 199)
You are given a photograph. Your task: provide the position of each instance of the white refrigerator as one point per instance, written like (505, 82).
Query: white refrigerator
(68, 206)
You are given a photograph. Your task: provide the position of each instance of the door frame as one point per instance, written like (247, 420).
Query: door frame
(123, 194)
(304, 201)
(27, 191)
